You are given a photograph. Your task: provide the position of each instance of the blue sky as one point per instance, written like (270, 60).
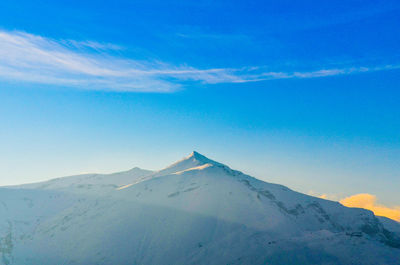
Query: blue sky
(300, 93)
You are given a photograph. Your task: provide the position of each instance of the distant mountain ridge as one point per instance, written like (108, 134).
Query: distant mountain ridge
(195, 211)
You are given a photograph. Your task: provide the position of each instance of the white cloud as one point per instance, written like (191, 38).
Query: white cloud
(89, 65)
(92, 45)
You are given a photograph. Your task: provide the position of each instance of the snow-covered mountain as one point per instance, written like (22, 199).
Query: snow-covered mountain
(196, 211)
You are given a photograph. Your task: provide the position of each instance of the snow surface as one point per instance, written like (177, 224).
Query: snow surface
(196, 211)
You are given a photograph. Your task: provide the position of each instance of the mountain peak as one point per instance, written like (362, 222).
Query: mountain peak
(194, 153)
(201, 158)
(195, 159)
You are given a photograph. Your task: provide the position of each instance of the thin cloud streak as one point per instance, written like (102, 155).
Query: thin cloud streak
(89, 65)
(92, 45)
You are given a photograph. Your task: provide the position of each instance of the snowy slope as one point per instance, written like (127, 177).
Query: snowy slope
(196, 211)
(91, 183)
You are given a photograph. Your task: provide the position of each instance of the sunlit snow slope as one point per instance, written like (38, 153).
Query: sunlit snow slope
(196, 211)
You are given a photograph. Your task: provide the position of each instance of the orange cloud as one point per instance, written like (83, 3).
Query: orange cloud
(368, 201)
(324, 196)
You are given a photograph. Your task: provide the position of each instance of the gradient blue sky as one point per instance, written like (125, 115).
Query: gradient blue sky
(302, 93)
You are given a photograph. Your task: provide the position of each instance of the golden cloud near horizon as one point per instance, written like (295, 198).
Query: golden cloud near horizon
(368, 201)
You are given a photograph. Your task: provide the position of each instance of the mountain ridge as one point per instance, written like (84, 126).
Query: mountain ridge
(195, 211)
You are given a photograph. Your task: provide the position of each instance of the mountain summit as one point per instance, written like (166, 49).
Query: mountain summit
(194, 160)
(195, 211)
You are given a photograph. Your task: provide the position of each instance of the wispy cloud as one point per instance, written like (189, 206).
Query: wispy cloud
(369, 201)
(92, 45)
(90, 65)
(324, 196)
